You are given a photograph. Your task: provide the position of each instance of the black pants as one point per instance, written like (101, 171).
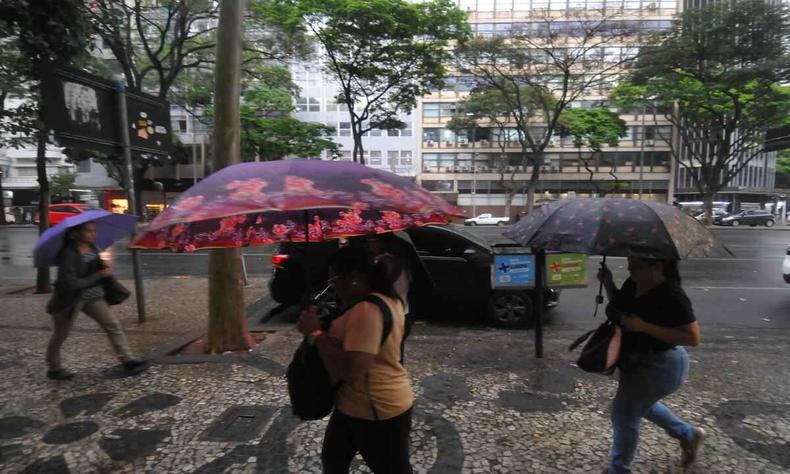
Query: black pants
(384, 445)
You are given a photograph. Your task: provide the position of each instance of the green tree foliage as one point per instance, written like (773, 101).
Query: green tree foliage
(716, 76)
(384, 54)
(61, 186)
(43, 30)
(531, 77)
(591, 130)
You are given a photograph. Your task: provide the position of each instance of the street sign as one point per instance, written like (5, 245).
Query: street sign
(82, 111)
(566, 270)
(513, 272)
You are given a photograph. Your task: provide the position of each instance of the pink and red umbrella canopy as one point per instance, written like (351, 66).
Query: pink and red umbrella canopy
(266, 202)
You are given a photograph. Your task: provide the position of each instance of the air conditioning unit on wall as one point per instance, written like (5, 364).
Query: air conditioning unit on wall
(650, 142)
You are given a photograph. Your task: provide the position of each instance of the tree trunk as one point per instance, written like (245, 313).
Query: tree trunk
(533, 182)
(359, 152)
(509, 201)
(707, 199)
(227, 325)
(42, 274)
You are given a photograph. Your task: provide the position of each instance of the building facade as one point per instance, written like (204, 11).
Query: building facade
(468, 169)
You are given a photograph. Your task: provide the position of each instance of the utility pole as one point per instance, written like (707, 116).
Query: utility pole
(123, 119)
(227, 323)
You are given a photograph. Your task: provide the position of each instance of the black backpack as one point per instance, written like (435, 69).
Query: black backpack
(309, 386)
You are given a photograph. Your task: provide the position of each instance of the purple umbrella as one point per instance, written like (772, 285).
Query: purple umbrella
(110, 228)
(292, 200)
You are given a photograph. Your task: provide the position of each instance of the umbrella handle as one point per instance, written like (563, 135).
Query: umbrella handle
(599, 296)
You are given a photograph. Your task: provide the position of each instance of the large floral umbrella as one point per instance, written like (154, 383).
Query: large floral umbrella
(616, 227)
(292, 200)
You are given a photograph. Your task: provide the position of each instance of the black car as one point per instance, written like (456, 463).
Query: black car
(751, 217)
(458, 278)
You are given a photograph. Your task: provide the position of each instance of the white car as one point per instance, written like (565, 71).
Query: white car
(487, 219)
(786, 266)
(9, 218)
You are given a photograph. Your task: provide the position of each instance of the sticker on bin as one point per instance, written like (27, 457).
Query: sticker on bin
(513, 271)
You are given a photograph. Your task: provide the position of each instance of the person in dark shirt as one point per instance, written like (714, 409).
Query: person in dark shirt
(657, 320)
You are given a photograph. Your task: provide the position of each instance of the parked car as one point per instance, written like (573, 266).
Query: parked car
(58, 212)
(9, 217)
(752, 217)
(718, 215)
(487, 219)
(458, 263)
(786, 266)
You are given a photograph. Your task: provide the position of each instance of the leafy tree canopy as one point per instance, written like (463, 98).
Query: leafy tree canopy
(384, 54)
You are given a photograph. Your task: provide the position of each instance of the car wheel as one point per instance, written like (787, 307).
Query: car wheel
(473, 223)
(500, 223)
(735, 223)
(509, 309)
(769, 223)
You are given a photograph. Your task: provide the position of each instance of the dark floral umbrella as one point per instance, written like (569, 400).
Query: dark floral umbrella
(292, 200)
(616, 227)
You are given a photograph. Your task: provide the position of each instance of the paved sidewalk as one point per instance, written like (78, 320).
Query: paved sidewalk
(484, 403)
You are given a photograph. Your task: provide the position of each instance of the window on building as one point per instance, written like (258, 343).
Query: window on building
(344, 129)
(433, 185)
(344, 155)
(405, 158)
(392, 158)
(182, 125)
(301, 104)
(447, 109)
(468, 5)
(521, 5)
(504, 5)
(406, 131)
(485, 30)
(485, 5)
(308, 104)
(375, 157)
(430, 135)
(393, 132)
(376, 132)
(430, 110)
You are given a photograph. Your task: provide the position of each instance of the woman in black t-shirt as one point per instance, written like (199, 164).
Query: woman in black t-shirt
(657, 321)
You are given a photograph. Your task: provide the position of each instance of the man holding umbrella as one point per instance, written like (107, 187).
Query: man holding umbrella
(80, 286)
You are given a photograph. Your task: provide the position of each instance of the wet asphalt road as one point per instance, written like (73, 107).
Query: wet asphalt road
(744, 291)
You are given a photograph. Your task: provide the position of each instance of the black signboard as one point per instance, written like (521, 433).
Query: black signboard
(777, 138)
(82, 111)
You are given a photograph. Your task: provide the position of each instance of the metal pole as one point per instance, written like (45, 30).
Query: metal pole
(474, 171)
(642, 155)
(540, 270)
(127, 158)
(194, 153)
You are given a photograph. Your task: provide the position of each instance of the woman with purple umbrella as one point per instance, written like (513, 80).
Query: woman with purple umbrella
(79, 288)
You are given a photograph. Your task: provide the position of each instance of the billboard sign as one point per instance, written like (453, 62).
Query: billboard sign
(516, 271)
(566, 270)
(82, 110)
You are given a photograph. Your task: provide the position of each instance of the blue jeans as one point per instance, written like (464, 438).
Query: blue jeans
(644, 380)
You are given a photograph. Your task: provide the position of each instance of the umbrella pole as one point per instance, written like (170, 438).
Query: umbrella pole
(599, 296)
(540, 270)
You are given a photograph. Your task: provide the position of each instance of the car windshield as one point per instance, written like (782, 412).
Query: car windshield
(467, 235)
